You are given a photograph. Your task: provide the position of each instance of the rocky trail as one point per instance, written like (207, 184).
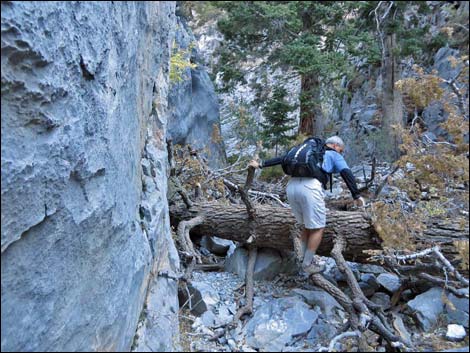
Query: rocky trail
(292, 311)
(293, 315)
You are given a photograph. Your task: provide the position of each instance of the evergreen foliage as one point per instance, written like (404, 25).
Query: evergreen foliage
(278, 124)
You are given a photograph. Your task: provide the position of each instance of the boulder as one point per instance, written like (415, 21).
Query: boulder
(275, 323)
(389, 281)
(216, 245)
(324, 300)
(427, 307)
(457, 310)
(237, 261)
(84, 176)
(269, 263)
(203, 297)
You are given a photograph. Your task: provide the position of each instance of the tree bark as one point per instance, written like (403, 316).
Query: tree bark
(310, 110)
(391, 99)
(275, 226)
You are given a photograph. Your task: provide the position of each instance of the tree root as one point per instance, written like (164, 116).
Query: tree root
(363, 313)
(183, 235)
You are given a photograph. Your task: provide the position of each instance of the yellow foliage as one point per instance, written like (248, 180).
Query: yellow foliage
(179, 62)
(191, 171)
(421, 90)
(216, 136)
(463, 250)
(439, 167)
(396, 228)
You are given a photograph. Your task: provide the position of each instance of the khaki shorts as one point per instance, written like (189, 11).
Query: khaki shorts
(306, 198)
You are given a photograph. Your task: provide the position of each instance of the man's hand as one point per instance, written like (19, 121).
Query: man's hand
(253, 163)
(360, 202)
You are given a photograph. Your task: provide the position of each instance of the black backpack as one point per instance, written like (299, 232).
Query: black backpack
(306, 159)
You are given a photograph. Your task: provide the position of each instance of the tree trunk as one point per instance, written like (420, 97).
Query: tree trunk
(310, 109)
(274, 226)
(391, 99)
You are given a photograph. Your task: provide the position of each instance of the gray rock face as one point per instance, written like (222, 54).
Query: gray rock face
(427, 307)
(443, 65)
(275, 323)
(84, 99)
(194, 105)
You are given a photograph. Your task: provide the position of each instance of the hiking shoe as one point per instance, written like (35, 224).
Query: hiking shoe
(317, 265)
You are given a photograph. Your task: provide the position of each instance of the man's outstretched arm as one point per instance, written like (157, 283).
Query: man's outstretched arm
(350, 181)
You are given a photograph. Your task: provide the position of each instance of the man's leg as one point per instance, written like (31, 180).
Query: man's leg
(304, 240)
(314, 238)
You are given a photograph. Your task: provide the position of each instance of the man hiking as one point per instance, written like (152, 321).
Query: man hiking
(310, 164)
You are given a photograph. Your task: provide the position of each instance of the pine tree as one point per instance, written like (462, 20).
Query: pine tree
(278, 124)
(312, 38)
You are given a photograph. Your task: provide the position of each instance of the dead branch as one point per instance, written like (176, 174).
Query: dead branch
(248, 308)
(448, 265)
(441, 282)
(434, 251)
(338, 338)
(268, 195)
(369, 312)
(368, 181)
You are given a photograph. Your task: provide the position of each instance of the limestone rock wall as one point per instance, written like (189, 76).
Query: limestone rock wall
(85, 234)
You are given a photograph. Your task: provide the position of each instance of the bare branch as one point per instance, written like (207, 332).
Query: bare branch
(339, 337)
(269, 195)
(379, 189)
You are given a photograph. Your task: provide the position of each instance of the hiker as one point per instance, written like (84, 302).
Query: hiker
(311, 164)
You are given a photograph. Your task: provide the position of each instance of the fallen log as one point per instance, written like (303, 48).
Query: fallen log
(274, 226)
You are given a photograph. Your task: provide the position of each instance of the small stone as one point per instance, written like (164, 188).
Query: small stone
(197, 323)
(208, 318)
(382, 299)
(367, 289)
(455, 333)
(407, 295)
(207, 331)
(410, 167)
(389, 281)
(232, 344)
(204, 251)
(204, 297)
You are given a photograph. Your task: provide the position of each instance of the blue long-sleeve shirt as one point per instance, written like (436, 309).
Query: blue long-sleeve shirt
(333, 162)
